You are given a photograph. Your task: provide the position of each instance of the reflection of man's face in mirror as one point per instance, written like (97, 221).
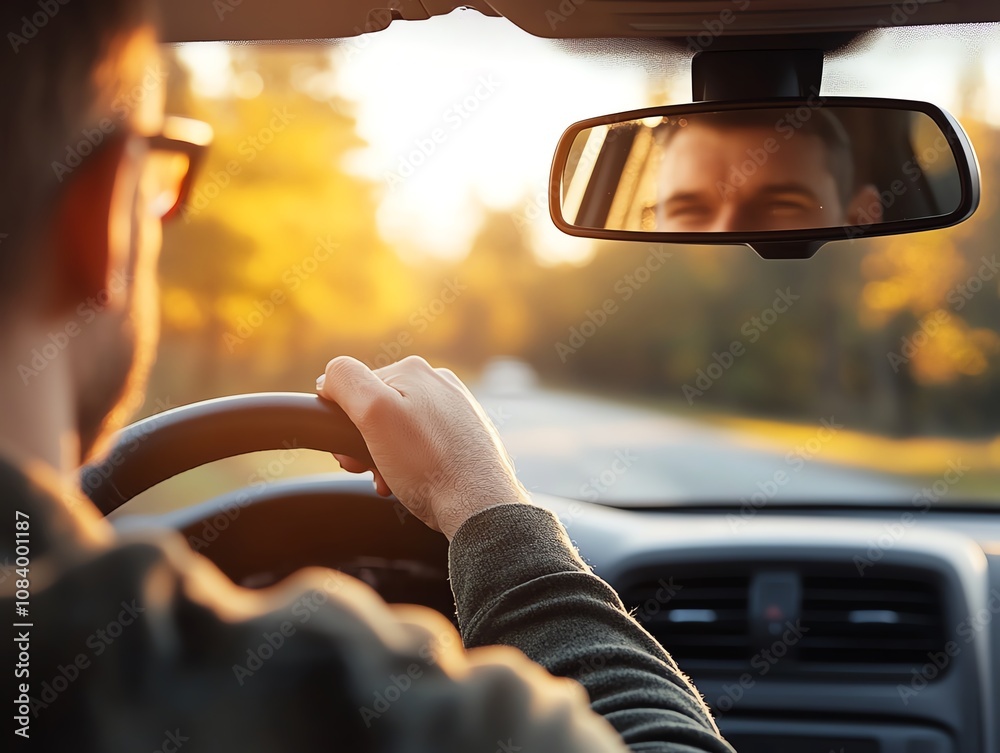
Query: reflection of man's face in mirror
(726, 176)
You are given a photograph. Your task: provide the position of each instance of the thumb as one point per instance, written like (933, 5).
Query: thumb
(355, 388)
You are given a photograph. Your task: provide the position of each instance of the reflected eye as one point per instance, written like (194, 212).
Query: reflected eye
(788, 205)
(687, 210)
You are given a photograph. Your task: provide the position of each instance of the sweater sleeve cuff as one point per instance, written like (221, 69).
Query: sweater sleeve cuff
(503, 547)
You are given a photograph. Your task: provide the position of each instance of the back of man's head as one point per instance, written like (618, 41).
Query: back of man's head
(51, 67)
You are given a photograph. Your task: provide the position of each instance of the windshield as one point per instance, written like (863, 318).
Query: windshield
(385, 196)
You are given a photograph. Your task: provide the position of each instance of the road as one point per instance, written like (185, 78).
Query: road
(587, 448)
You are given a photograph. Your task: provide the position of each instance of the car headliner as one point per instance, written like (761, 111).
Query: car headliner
(740, 23)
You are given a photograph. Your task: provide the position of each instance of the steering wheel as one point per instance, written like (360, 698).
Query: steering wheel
(177, 440)
(261, 534)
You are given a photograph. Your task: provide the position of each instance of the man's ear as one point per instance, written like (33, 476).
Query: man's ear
(81, 250)
(866, 207)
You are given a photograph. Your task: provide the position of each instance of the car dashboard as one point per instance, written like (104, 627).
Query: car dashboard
(826, 630)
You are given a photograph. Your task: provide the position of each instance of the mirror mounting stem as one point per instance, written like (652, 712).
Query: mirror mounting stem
(755, 74)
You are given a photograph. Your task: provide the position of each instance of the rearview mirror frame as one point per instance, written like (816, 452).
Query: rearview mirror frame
(778, 244)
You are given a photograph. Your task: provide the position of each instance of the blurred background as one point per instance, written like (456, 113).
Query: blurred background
(385, 196)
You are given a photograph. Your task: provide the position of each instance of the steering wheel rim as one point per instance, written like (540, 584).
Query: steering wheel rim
(162, 446)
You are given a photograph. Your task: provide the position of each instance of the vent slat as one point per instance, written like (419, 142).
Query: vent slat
(842, 617)
(838, 596)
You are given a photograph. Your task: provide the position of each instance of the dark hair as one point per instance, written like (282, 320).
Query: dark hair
(50, 52)
(820, 122)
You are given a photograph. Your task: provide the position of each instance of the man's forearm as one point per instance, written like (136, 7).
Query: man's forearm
(519, 582)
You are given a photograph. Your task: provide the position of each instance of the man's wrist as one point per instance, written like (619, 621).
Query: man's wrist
(457, 505)
(463, 511)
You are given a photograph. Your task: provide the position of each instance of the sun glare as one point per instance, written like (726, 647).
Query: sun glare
(209, 64)
(454, 124)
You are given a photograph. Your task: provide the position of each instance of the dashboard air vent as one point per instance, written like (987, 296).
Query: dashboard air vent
(887, 623)
(831, 620)
(701, 619)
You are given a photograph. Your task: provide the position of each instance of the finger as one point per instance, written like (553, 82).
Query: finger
(381, 487)
(404, 375)
(354, 387)
(350, 465)
(449, 376)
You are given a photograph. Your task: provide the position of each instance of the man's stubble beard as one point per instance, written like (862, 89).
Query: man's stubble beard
(113, 383)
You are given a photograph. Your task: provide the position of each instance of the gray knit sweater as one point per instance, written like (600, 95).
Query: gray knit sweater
(138, 644)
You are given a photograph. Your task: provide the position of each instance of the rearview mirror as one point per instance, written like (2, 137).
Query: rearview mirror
(782, 176)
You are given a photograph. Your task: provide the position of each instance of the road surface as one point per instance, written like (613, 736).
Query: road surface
(587, 448)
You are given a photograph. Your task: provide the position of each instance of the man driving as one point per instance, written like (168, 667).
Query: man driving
(757, 170)
(137, 643)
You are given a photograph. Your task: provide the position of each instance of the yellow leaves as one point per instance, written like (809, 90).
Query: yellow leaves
(952, 351)
(181, 311)
(915, 456)
(229, 308)
(884, 297)
(908, 273)
(919, 275)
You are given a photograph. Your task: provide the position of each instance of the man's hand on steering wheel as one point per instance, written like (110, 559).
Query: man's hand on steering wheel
(432, 443)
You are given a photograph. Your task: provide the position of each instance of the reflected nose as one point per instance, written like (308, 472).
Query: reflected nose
(726, 220)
